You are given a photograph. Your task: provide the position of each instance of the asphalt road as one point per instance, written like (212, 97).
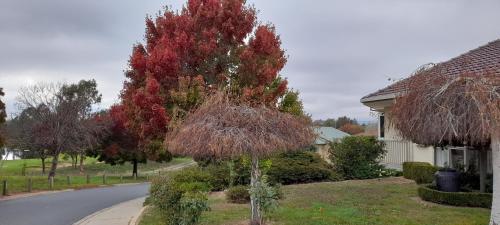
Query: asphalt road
(66, 208)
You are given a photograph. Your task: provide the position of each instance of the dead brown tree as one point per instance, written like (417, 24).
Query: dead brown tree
(224, 128)
(63, 119)
(437, 108)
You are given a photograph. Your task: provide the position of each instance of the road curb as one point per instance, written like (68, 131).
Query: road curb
(34, 194)
(89, 219)
(137, 219)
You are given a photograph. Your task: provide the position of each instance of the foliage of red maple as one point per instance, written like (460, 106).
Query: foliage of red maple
(208, 44)
(120, 145)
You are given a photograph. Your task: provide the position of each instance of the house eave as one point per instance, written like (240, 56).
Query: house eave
(378, 98)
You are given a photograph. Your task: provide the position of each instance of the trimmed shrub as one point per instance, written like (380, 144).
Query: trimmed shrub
(357, 157)
(285, 168)
(219, 176)
(470, 199)
(181, 197)
(299, 167)
(420, 172)
(238, 194)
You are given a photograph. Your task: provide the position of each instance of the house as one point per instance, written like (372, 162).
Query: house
(482, 59)
(325, 136)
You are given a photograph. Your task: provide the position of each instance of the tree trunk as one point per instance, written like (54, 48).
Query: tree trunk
(495, 152)
(72, 160)
(53, 167)
(134, 171)
(81, 163)
(76, 160)
(256, 218)
(43, 165)
(483, 167)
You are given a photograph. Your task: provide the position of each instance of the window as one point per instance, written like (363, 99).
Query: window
(381, 126)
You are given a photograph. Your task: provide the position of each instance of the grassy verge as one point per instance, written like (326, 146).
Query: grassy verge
(373, 202)
(91, 166)
(114, 175)
(99, 168)
(17, 184)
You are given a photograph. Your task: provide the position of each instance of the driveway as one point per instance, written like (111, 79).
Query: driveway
(66, 208)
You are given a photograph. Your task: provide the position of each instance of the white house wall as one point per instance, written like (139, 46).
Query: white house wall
(396, 144)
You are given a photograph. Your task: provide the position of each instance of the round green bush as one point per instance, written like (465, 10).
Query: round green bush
(238, 194)
(357, 157)
(299, 167)
(469, 199)
(182, 196)
(219, 176)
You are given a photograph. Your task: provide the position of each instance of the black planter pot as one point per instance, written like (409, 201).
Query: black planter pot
(448, 180)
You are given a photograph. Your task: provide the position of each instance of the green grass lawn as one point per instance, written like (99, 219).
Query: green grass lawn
(91, 166)
(12, 170)
(366, 202)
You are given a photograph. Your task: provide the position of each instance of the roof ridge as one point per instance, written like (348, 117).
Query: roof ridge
(484, 57)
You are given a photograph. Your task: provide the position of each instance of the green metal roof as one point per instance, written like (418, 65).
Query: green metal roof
(328, 134)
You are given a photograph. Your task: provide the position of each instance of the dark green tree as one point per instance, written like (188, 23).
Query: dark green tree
(343, 120)
(291, 103)
(329, 123)
(3, 115)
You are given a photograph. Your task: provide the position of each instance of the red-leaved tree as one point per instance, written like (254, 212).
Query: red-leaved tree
(120, 145)
(206, 45)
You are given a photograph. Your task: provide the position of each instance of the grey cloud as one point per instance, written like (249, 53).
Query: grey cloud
(338, 51)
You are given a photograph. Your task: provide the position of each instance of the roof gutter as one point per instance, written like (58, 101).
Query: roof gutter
(379, 98)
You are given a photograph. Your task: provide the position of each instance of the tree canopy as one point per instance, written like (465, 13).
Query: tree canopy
(189, 53)
(336, 123)
(438, 109)
(225, 128)
(59, 118)
(3, 115)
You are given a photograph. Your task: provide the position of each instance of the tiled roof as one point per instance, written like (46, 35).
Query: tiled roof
(482, 59)
(328, 134)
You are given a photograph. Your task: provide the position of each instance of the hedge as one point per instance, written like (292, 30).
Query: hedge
(238, 194)
(470, 199)
(420, 172)
(300, 167)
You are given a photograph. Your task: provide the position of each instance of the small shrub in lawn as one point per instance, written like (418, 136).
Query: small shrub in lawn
(182, 196)
(219, 176)
(470, 199)
(266, 194)
(420, 172)
(299, 167)
(147, 201)
(357, 157)
(238, 194)
(222, 176)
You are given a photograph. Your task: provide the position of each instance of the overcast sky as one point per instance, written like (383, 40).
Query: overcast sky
(338, 51)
